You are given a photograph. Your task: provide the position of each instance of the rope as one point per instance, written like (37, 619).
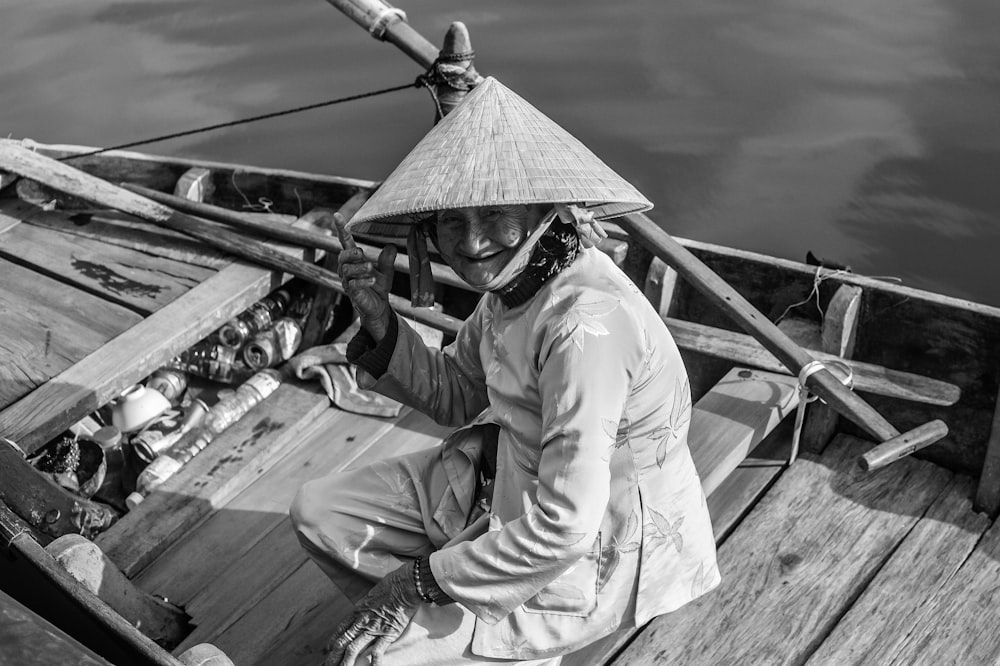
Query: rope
(243, 121)
(805, 395)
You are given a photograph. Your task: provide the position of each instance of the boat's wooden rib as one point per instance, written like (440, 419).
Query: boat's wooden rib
(837, 335)
(900, 595)
(795, 563)
(47, 327)
(30, 640)
(988, 490)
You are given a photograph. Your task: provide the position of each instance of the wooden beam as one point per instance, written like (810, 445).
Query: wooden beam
(988, 489)
(870, 378)
(837, 335)
(144, 650)
(660, 286)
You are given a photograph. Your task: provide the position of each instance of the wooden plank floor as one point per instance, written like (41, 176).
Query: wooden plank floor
(825, 565)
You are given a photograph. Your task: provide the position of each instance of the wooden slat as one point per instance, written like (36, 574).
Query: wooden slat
(988, 491)
(139, 281)
(46, 327)
(793, 565)
(136, 353)
(731, 419)
(234, 459)
(336, 437)
(122, 230)
(959, 624)
(227, 600)
(838, 333)
(869, 378)
(898, 598)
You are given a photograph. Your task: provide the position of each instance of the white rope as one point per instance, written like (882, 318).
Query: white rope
(805, 396)
(381, 22)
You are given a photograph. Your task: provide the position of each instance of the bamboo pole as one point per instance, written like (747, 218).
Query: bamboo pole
(64, 178)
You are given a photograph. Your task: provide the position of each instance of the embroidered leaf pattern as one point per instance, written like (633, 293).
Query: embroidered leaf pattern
(580, 319)
(680, 414)
(612, 553)
(661, 529)
(401, 486)
(703, 579)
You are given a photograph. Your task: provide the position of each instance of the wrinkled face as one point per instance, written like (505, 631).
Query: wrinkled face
(478, 242)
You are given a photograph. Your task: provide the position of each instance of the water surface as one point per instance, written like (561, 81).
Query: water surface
(866, 132)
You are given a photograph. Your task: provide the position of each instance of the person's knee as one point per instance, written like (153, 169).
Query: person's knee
(306, 507)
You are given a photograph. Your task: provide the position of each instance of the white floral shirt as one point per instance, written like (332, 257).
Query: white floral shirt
(598, 519)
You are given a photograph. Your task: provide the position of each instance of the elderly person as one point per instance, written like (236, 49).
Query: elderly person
(566, 506)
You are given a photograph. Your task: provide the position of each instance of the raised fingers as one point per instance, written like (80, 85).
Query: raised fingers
(346, 238)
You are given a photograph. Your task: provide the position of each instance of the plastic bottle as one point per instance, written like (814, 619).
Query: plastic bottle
(259, 316)
(149, 443)
(274, 345)
(222, 415)
(211, 360)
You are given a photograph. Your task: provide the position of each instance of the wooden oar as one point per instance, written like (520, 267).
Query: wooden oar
(14, 158)
(385, 23)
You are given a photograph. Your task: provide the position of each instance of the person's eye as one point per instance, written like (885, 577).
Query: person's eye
(492, 213)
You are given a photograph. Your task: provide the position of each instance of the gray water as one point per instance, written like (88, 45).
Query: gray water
(867, 132)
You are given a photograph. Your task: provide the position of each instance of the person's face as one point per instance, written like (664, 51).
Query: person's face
(478, 242)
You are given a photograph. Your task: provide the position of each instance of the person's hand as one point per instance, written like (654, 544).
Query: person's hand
(367, 284)
(377, 621)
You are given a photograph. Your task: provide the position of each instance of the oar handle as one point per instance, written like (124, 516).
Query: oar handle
(904, 445)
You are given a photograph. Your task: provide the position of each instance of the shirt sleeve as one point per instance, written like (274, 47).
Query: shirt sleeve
(585, 376)
(449, 385)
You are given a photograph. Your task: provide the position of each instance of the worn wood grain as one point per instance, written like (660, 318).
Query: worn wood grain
(795, 563)
(988, 490)
(899, 596)
(123, 230)
(231, 462)
(135, 354)
(736, 415)
(868, 377)
(837, 336)
(232, 531)
(958, 625)
(142, 282)
(47, 326)
(227, 600)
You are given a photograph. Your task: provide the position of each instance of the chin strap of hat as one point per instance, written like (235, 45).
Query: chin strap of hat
(421, 278)
(522, 256)
(587, 228)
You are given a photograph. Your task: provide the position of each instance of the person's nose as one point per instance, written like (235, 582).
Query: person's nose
(475, 239)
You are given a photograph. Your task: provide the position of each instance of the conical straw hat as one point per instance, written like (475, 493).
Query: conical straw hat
(494, 149)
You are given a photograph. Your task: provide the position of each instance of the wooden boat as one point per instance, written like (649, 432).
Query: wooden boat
(823, 562)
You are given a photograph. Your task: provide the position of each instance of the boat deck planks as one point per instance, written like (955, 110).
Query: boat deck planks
(47, 327)
(795, 563)
(959, 625)
(899, 597)
(243, 579)
(140, 281)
